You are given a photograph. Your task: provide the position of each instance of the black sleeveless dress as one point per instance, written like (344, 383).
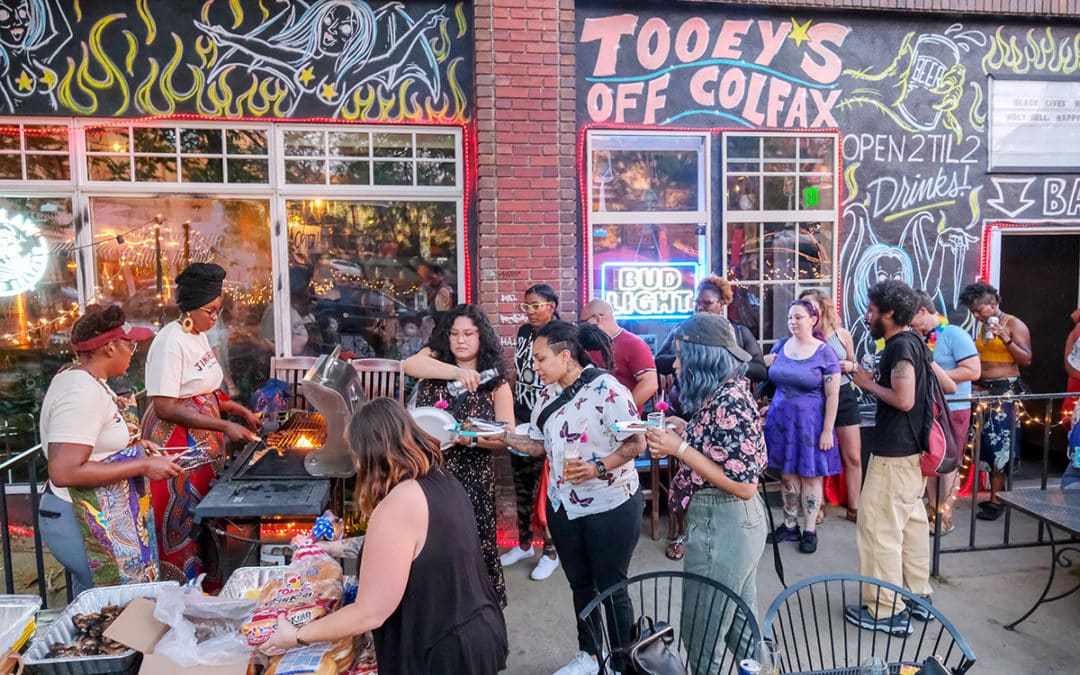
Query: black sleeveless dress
(449, 621)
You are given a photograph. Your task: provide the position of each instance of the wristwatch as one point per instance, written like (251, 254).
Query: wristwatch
(601, 470)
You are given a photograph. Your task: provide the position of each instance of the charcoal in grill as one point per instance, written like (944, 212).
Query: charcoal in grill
(311, 425)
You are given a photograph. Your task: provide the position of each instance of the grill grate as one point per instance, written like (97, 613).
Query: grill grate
(300, 425)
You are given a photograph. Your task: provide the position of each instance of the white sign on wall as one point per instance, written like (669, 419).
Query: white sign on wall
(1034, 125)
(24, 254)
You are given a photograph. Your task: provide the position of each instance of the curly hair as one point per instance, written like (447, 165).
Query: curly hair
(702, 368)
(388, 448)
(896, 297)
(979, 293)
(579, 340)
(719, 285)
(96, 320)
(490, 354)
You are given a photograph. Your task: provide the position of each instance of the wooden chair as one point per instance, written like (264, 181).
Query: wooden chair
(657, 489)
(291, 369)
(714, 627)
(807, 621)
(381, 377)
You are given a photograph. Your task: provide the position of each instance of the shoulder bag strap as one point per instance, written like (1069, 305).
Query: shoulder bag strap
(587, 376)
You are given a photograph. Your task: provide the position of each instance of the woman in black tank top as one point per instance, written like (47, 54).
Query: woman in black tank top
(423, 587)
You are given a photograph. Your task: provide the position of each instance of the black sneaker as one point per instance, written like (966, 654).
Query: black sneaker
(897, 625)
(784, 533)
(918, 611)
(808, 543)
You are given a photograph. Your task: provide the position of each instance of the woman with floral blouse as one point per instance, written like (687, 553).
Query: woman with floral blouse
(722, 454)
(594, 501)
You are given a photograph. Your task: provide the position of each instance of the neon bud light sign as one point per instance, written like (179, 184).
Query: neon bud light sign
(24, 254)
(638, 290)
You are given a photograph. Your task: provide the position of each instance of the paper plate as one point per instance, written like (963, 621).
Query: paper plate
(435, 422)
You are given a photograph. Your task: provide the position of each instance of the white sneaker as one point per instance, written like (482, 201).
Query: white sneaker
(544, 568)
(583, 664)
(514, 555)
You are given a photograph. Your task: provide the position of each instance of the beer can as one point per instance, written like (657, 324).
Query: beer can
(749, 667)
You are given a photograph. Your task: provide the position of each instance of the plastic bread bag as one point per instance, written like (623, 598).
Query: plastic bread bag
(321, 658)
(204, 630)
(309, 589)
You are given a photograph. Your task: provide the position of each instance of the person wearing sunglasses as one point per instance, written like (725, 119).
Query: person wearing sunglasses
(540, 306)
(183, 382)
(93, 508)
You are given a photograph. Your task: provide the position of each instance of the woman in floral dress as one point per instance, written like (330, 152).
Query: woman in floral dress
(463, 347)
(722, 454)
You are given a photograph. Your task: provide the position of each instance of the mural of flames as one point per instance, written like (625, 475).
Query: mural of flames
(1039, 52)
(139, 84)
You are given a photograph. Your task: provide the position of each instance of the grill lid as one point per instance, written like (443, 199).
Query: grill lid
(333, 387)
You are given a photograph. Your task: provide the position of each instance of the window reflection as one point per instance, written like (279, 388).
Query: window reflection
(369, 275)
(233, 233)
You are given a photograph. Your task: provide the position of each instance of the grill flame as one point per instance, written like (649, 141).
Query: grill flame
(305, 443)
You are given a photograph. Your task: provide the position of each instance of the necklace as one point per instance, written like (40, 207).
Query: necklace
(932, 338)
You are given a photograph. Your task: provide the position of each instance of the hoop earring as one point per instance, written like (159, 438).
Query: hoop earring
(187, 324)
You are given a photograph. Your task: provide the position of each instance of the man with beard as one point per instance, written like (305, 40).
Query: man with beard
(893, 531)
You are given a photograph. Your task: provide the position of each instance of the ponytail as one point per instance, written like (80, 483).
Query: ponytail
(578, 340)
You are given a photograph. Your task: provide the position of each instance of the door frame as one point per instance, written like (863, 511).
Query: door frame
(990, 257)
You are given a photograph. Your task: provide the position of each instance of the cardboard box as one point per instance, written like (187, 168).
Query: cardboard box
(137, 628)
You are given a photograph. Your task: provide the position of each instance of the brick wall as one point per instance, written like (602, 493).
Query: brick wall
(1068, 8)
(526, 196)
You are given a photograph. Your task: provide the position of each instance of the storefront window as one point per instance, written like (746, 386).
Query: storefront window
(368, 275)
(34, 152)
(38, 302)
(141, 244)
(326, 157)
(779, 224)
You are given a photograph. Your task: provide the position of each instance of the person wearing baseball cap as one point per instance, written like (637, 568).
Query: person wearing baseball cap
(94, 516)
(187, 414)
(721, 450)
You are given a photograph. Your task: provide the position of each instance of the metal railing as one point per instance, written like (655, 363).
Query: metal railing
(981, 406)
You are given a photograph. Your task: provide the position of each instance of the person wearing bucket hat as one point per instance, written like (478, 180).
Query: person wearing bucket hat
(94, 516)
(721, 449)
(799, 428)
(186, 412)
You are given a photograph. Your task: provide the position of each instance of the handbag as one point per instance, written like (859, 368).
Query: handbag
(652, 650)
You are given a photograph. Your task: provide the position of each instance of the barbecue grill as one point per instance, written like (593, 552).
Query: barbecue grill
(287, 472)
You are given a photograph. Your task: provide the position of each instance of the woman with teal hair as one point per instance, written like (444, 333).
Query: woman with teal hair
(722, 453)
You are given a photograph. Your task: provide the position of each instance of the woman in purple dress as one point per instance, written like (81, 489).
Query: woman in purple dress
(799, 426)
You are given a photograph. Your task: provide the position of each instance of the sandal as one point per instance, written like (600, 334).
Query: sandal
(676, 549)
(991, 511)
(852, 515)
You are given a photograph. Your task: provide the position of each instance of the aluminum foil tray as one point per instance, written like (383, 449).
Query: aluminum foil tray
(245, 579)
(63, 630)
(16, 615)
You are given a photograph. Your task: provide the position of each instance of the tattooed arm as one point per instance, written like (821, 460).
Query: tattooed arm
(901, 395)
(523, 443)
(627, 451)
(832, 402)
(342, 548)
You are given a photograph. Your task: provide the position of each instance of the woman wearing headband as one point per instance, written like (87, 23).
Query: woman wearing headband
(95, 513)
(183, 380)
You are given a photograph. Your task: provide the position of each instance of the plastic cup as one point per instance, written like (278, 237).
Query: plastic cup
(767, 653)
(655, 419)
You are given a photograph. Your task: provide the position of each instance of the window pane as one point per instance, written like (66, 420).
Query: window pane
(110, 168)
(392, 145)
(743, 147)
(48, 167)
(155, 169)
(350, 173)
(107, 139)
(154, 139)
(46, 137)
(245, 142)
(304, 143)
(645, 180)
(9, 138)
(309, 171)
(775, 299)
(779, 146)
(249, 170)
(364, 258)
(814, 247)
(349, 144)
(233, 233)
(436, 173)
(201, 141)
(441, 146)
(11, 167)
(779, 193)
(202, 170)
(817, 150)
(744, 193)
(816, 192)
(393, 173)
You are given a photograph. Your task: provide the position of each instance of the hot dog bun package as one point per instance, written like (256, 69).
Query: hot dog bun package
(310, 589)
(333, 658)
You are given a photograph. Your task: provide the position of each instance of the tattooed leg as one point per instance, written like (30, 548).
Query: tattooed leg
(790, 486)
(813, 490)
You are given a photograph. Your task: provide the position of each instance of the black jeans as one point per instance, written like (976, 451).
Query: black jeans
(595, 552)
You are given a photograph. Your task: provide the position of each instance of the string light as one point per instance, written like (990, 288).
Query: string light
(44, 328)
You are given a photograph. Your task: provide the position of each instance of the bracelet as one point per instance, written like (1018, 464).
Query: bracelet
(682, 449)
(300, 642)
(1009, 342)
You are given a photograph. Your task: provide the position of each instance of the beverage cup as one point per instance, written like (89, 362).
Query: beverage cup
(874, 666)
(655, 419)
(767, 654)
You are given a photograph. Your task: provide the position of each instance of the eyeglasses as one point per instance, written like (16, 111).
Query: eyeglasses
(706, 303)
(131, 344)
(212, 313)
(533, 306)
(467, 334)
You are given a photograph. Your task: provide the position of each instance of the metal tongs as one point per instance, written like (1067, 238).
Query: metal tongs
(191, 457)
(494, 424)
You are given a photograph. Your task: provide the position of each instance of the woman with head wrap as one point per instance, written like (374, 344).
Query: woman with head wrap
(95, 513)
(182, 382)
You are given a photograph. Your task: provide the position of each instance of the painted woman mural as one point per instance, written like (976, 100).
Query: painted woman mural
(31, 34)
(333, 49)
